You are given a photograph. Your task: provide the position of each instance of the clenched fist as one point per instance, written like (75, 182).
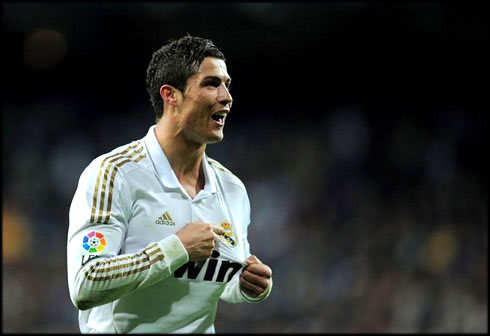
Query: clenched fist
(199, 239)
(255, 277)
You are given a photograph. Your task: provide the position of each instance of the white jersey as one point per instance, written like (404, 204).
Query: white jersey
(127, 270)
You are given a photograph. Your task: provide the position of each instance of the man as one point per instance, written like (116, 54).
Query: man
(158, 230)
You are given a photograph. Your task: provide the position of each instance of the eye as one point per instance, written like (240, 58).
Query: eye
(212, 82)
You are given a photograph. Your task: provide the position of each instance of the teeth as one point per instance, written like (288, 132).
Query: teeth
(219, 116)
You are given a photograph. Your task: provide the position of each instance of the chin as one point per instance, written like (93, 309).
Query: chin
(215, 138)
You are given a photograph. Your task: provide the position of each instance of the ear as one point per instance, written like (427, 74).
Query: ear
(168, 94)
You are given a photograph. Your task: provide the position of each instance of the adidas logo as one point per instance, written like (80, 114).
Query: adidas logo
(165, 219)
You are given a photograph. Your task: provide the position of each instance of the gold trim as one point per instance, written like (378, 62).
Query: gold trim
(219, 166)
(131, 262)
(120, 266)
(96, 189)
(126, 273)
(106, 176)
(222, 169)
(118, 275)
(95, 268)
(111, 185)
(114, 260)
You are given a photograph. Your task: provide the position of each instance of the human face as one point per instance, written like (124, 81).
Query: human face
(206, 102)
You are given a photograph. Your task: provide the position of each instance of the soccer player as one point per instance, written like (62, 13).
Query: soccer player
(158, 230)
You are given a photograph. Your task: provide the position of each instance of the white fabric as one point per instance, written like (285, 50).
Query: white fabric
(132, 274)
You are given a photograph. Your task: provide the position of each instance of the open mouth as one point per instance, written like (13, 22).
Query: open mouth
(219, 117)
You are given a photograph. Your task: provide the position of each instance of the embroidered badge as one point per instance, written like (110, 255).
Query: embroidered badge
(228, 237)
(94, 242)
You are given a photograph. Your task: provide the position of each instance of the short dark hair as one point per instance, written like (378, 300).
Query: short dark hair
(174, 63)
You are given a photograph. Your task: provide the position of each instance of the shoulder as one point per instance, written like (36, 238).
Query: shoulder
(119, 161)
(224, 174)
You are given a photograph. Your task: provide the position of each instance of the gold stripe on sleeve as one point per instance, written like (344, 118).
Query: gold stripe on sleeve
(115, 263)
(97, 271)
(118, 275)
(111, 185)
(116, 260)
(106, 177)
(105, 266)
(96, 189)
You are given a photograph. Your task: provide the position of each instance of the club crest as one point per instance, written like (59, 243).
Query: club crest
(228, 237)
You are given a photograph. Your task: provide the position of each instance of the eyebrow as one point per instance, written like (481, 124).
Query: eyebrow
(227, 81)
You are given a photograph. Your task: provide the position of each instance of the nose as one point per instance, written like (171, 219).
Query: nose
(224, 96)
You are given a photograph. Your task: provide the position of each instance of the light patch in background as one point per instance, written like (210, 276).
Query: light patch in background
(16, 234)
(44, 48)
(441, 249)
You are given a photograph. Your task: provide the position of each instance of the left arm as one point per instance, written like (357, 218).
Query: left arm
(256, 279)
(254, 282)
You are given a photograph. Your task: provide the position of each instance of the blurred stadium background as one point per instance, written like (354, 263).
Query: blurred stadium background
(359, 128)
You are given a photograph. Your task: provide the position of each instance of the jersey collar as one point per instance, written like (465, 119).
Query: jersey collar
(209, 178)
(164, 170)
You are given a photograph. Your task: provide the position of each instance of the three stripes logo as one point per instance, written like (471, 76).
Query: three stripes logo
(165, 219)
(104, 185)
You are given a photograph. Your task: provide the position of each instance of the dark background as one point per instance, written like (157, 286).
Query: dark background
(359, 128)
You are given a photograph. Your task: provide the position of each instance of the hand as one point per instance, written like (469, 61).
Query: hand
(199, 239)
(255, 277)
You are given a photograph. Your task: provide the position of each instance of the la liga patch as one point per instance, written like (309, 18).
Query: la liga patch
(94, 242)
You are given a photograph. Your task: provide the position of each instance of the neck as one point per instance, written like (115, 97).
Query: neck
(184, 156)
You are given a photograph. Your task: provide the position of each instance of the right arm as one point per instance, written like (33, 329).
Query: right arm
(97, 274)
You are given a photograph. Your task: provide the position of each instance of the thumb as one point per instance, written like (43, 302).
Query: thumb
(252, 259)
(218, 230)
